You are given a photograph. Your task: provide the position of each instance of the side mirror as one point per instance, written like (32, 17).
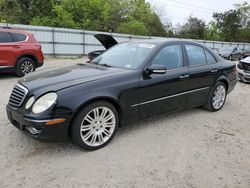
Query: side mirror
(156, 69)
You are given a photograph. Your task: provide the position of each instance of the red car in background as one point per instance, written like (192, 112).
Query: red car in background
(19, 52)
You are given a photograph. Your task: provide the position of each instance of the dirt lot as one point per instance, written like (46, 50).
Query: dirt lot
(193, 148)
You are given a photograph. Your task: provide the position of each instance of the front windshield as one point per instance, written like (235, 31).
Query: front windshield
(126, 55)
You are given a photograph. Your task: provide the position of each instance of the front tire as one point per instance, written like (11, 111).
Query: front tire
(24, 66)
(217, 97)
(95, 125)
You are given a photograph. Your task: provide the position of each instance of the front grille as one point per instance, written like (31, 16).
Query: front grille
(246, 66)
(18, 95)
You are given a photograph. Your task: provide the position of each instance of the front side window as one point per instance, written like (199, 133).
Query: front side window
(5, 37)
(170, 57)
(196, 55)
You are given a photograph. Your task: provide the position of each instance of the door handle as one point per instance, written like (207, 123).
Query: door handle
(16, 46)
(214, 70)
(184, 76)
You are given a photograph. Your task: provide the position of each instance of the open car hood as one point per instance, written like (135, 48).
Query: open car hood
(246, 60)
(106, 40)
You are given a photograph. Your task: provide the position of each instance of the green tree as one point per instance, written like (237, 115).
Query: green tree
(133, 27)
(234, 25)
(212, 32)
(23, 11)
(101, 15)
(229, 24)
(194, 28)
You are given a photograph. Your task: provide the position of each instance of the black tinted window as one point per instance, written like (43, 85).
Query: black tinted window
(170, 57)
(196, 55)
(18, 37)
(5, 37)
(210, 57)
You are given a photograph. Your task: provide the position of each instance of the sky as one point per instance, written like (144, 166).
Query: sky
(177, 11)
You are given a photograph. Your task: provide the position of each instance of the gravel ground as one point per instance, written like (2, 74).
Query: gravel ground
(194, 148)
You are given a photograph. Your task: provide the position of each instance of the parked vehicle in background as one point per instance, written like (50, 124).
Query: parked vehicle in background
(231, 53)
(246, 51)
(129, 82)
(19, 52)
(244, 70)
(106, 40)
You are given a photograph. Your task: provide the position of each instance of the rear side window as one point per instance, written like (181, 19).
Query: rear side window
(18, 37)
(170, 56)
(210, 57)
(5, 37)
(196, 55)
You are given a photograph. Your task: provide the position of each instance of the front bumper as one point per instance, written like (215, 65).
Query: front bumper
(46, 132)
(245, 77)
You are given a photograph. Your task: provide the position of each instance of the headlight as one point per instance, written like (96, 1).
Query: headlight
(29, 103)
(44, 102)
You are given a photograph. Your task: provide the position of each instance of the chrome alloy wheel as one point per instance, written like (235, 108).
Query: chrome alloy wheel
(27, 67)
(219, 97)
(98, 126)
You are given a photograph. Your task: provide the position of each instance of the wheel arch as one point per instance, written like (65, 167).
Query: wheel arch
(224, 80)
(110, 100)
(28, 55)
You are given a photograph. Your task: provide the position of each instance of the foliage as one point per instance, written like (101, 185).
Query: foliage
(101, 15)
(234, 25)
(194, 28)
(126, 16)
(135, 27)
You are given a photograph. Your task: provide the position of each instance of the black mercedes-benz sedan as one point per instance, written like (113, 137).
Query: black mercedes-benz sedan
(130, 81)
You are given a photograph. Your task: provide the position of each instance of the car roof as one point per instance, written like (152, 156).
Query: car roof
(10, 30)
(160, 42)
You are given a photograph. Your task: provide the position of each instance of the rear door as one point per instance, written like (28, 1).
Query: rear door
(203, 70)
(7, 58)
(164, 92)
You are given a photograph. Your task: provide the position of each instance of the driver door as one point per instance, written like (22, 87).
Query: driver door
(164, 92)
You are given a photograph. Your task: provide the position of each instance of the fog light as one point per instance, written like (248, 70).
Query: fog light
(33, 130)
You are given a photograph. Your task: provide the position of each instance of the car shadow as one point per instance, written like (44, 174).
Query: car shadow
(38, 147)
(5, 76)
(151, 121)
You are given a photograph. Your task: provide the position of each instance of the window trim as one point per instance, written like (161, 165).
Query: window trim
(13, 41)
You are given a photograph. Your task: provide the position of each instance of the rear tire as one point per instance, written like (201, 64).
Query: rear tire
(95, 125)
(24, 66)
(217, 97)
